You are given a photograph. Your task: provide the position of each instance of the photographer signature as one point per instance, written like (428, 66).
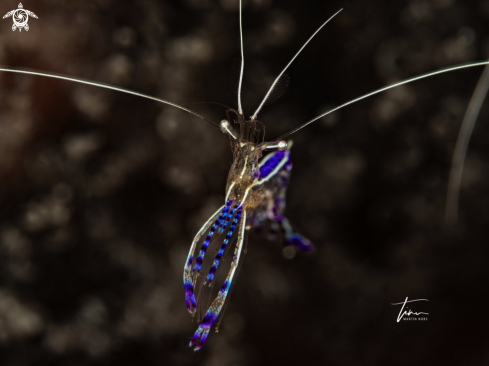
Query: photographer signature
(407, 312)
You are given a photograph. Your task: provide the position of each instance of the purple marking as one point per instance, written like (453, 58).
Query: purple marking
(203, 330)
(212, 271)
(226, 284)
(225, 223)
(224, 214)
(300, 242)
(203, 249)
(271, 163)
(189, 297)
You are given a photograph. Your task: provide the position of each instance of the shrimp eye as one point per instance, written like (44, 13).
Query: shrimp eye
(277, 145)
(228, 130)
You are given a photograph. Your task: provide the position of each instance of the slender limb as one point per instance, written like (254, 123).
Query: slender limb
(215, 309)
(240, 109)
(106, 86)
(187, 269)
(205, 245)
(220, 253)
(463, 139)
(244, 250)
(295, 239)
(224, 223)
(293, 58)
(441, 71)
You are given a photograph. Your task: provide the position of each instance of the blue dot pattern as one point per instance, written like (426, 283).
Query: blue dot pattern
(271, 164)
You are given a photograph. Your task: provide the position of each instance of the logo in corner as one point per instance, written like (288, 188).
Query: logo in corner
(408, 314)
(20, 17)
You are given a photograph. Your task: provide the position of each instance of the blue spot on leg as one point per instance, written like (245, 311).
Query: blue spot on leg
(300, 242)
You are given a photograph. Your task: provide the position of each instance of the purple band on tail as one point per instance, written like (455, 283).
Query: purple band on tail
(212, 271)
(203, 249)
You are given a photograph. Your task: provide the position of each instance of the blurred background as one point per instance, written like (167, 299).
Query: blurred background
(102, 192)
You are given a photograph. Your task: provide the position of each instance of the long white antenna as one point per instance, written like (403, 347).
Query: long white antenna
(240, 109)
(463, 139)
(293, 58)
(441, 71)
(106, 86)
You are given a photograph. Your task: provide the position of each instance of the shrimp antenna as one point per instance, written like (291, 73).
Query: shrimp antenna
(293, 58)
(240, 109)
(216, 103)
(106, 86)
(456, 170)
(441, 71)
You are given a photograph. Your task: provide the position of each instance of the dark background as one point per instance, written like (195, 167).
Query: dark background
(101, 192)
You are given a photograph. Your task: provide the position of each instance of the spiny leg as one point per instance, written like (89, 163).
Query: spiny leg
(220, 253)
(187, 273)
(214, 310)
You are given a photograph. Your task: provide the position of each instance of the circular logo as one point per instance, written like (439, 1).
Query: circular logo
(20, 18)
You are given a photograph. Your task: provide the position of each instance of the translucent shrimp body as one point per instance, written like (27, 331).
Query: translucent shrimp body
(255, 193)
